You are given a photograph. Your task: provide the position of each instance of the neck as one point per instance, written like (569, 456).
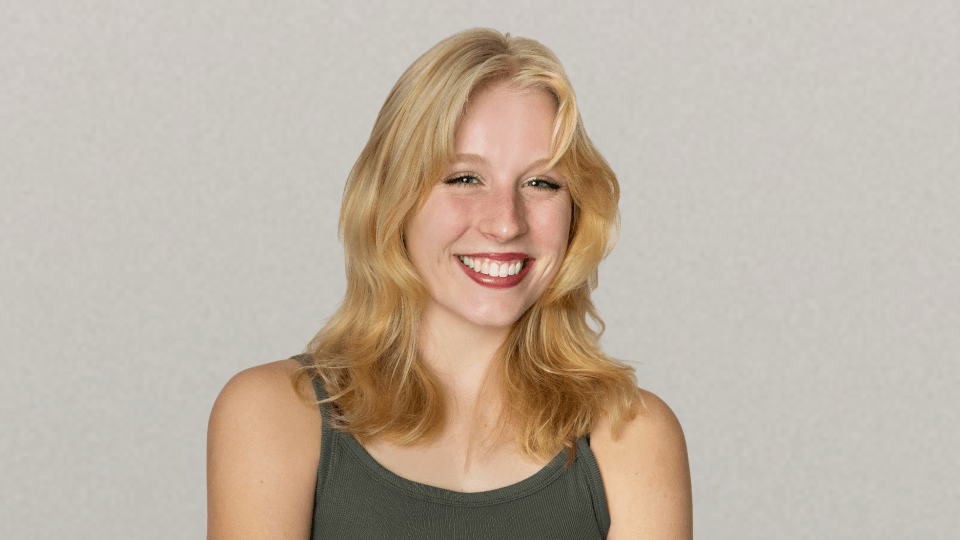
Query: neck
(461, 354)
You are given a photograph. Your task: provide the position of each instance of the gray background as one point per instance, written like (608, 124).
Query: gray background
(787, 278)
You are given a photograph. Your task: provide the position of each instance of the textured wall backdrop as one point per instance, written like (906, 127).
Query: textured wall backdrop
(786, 277)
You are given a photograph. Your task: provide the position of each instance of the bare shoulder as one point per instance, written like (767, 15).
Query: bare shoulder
(263, 448)
(646, 474)
(267, 386)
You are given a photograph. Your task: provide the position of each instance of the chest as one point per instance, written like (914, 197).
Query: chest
(455, 463)
(357, 498)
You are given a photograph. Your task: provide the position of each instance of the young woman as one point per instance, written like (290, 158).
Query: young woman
(462, 393)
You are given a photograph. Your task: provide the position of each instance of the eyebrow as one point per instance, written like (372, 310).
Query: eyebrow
(480, 160)
(470, 158)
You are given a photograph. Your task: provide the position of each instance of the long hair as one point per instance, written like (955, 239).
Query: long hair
(555, 379)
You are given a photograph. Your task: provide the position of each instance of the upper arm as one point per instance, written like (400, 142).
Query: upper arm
(646, 475)
(263, 448)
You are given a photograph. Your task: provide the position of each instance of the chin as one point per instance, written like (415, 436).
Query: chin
(497, 318)
(494, 323)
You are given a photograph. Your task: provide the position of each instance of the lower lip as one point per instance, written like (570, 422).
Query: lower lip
(496, 282)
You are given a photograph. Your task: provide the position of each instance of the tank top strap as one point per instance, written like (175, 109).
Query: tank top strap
(319, 390)
(588, 465)
(329, 437)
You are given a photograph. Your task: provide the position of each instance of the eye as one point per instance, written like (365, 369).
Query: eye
(542, 183)
(462, 179)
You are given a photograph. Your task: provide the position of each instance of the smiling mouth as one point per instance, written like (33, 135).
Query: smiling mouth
(495, 268)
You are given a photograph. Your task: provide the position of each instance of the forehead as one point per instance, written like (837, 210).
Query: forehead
(504, 122)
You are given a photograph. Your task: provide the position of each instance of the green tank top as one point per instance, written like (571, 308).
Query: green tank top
(357, 498)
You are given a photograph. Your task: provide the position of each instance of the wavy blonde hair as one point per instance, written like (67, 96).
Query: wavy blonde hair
(556, 382)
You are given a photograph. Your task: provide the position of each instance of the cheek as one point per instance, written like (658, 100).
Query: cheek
(454, 212)
(448, 218)
(553, 227)
(437, 224)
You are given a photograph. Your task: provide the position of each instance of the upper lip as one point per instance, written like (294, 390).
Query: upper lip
(496, 256)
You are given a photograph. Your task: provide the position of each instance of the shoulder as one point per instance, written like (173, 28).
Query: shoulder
(646, 474)
(263, 448)
(263, 399)
(266, 388)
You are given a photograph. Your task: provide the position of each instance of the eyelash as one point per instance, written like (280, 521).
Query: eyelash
(456, 179)
(545, 183)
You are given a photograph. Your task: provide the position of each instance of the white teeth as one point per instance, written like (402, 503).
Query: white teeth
(492, 268)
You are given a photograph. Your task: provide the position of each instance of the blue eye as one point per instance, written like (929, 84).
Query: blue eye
(542, 183)
(462, 179)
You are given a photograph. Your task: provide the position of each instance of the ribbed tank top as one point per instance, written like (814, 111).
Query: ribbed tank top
(357, 498)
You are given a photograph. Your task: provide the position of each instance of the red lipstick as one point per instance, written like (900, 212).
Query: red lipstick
(496, 282)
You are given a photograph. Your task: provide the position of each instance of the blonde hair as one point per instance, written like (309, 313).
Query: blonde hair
(556, 381)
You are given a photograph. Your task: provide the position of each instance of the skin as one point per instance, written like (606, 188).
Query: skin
(495, 198)
(264, 444)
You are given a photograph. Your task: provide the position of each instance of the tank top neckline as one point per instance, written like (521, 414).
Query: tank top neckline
(540, 479)
(351, 483)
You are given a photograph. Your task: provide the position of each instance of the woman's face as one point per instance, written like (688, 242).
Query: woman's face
(493, 230)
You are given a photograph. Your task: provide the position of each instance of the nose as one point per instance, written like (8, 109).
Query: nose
(503, 216)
